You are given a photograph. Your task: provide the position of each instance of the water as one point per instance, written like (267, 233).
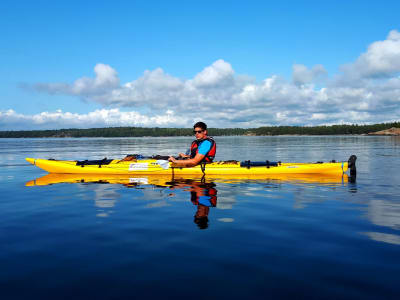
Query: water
(139, 237)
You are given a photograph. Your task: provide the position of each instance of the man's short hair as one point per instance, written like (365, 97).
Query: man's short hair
(201, 125)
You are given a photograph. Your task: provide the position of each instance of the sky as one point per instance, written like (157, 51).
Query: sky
(86, 64)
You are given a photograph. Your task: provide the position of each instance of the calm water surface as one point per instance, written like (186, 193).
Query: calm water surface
(303, 238)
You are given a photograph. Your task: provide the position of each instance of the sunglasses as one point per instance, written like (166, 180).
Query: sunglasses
(197, 131)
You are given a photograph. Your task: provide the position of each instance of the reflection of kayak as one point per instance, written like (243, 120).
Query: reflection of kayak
(162, 167)
(167, 180)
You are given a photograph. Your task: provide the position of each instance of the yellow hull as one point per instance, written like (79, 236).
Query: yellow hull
(167, 180)
(152, 167)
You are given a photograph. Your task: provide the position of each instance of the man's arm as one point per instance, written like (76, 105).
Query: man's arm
(188, 162)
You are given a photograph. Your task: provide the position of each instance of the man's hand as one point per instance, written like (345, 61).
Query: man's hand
(128, 158)
(191, 162)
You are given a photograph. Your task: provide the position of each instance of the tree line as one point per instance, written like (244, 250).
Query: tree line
(161, 132)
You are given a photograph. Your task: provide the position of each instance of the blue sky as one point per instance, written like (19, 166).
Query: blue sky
(171, 63)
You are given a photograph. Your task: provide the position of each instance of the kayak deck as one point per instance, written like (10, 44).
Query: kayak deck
(162, 167)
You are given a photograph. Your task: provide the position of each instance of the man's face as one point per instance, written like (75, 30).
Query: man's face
(199, 133)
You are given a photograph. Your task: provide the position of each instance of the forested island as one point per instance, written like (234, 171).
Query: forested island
(161, 132)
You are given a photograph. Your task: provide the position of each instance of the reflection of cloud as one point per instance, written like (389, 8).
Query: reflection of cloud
(139, 180)
(158, 204)
(105, 203)
(299, 204)
(384, 237)
(302, 199)
(384, 213)
(152, 194)
(225, 202)
(105, 199)
(226, 220)
(102, 215)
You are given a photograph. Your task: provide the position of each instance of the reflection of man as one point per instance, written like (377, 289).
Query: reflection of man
(204, 195)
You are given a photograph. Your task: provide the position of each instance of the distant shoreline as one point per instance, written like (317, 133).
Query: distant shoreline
(384, 129)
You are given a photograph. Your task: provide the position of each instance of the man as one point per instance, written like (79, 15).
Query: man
(202, 150)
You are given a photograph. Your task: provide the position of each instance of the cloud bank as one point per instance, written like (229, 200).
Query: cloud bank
(364, 91)
(98, 118)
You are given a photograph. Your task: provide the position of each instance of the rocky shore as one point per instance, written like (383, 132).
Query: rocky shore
(390, 131)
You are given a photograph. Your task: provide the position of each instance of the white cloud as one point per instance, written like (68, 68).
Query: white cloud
(304, 75)
(382, 59)
(105, 80)
(11, 120)
(220, 73)
(367, 91)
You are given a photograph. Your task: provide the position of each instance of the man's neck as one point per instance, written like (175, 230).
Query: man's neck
(204, 137)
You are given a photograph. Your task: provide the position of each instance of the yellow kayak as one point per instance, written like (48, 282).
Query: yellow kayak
(150, 166)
